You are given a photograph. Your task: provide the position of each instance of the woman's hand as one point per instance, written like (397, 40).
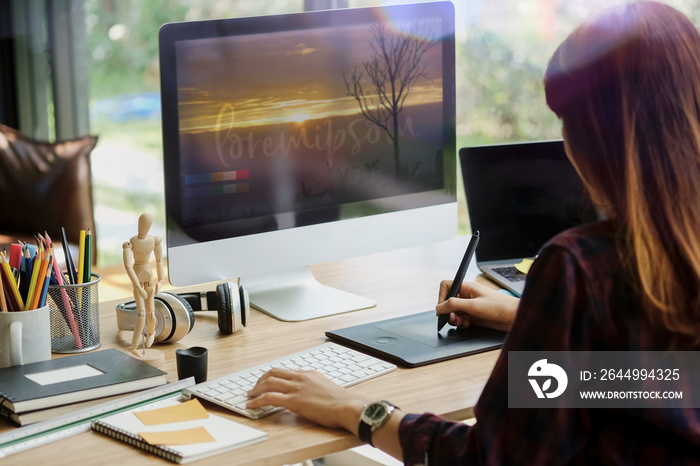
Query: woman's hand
(477, 304)
(309, 394)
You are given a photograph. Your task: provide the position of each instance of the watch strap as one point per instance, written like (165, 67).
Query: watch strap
(364, 431)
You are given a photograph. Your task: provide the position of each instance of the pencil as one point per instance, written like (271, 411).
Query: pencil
(45, 285)
(3, 303)
(12, 283)
(43, 267)
(36, 268)
(81, 258)
(9, 297)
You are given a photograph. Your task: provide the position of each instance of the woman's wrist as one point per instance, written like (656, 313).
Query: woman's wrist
(350, 414)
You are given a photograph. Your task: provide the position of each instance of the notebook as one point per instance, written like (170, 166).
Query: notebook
(225, 434)
(80, 377)
(519, 196)
(412, 340)
(30, 417)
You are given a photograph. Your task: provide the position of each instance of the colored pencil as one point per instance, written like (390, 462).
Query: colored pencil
(9, 296)
(36, 268)
(81, 258)
(12, 283)
(3, 303)
(45, 285)
(43, 267)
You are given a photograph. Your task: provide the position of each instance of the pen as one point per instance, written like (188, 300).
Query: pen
(70, 267)
(87, 277)
(459, 278)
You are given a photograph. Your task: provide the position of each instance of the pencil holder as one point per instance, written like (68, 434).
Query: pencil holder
(75, 317)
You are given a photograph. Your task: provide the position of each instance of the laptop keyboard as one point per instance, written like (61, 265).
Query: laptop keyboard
(511, 273)
(342, 365)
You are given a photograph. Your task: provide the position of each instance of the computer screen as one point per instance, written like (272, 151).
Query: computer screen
(295, 139)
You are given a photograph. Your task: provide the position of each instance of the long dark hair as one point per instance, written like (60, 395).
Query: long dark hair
(626, 85)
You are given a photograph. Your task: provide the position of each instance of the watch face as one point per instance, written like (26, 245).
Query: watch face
(375, 412)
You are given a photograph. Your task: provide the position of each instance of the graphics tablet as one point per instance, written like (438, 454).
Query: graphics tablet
(412, 341)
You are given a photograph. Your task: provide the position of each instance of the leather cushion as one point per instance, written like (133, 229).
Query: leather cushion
(44, 186)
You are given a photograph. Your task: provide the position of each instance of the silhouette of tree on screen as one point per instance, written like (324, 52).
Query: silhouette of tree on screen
(382, 84)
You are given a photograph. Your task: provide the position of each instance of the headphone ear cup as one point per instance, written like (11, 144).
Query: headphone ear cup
(245, 305)
(224, 309)
(181, 314)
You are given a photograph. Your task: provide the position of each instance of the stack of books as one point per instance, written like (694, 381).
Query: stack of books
(43, 390)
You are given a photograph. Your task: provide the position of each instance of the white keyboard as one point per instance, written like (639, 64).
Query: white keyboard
(342, 365)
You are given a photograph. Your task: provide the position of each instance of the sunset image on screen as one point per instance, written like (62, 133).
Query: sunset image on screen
(316, 118)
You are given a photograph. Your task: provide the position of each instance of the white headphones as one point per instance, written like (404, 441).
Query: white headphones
(175, 312)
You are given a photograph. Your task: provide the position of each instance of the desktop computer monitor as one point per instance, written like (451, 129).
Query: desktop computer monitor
(295, 139)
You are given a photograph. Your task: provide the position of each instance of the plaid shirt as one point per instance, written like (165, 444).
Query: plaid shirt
(576, 298)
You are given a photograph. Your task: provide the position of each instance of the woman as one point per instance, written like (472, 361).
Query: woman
(626, 86)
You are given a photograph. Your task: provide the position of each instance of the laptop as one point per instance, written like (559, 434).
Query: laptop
(519, 196)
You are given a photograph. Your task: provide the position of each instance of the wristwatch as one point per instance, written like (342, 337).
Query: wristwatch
(374, 415)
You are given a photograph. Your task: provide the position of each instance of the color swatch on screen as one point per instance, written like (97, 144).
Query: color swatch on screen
(211, 183)
(217, 189)
(233, 175)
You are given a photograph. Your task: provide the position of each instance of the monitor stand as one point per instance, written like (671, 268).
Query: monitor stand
(295, 295)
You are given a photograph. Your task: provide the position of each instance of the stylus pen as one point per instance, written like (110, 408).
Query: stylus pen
(459, 278)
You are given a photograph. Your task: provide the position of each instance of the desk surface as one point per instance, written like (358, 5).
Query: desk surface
(403, 282)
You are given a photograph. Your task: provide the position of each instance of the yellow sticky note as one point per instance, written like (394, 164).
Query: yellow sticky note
(187, 411)
(524, 266)
(178, 437)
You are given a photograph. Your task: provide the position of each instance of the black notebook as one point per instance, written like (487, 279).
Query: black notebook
(413, 340)
(74, 378)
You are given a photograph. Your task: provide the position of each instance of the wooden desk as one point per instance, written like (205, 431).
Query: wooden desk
(402, 282)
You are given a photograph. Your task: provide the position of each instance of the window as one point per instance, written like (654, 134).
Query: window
(502, 50)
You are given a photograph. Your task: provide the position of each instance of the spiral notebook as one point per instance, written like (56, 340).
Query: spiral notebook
(225, 434)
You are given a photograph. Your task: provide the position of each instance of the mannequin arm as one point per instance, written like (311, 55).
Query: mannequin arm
(160, 272)
(129, 266)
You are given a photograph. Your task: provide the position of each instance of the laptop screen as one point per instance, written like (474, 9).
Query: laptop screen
(521, 195)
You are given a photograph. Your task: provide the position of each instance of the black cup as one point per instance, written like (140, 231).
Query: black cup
(192, 362)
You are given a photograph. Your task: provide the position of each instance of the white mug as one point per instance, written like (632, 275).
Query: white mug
(25, 337)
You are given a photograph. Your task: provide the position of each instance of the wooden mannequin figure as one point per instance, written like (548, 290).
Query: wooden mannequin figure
(137, 256)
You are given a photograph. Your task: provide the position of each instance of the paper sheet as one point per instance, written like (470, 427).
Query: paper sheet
(524, 266)
(187, 411)
(178, 437)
